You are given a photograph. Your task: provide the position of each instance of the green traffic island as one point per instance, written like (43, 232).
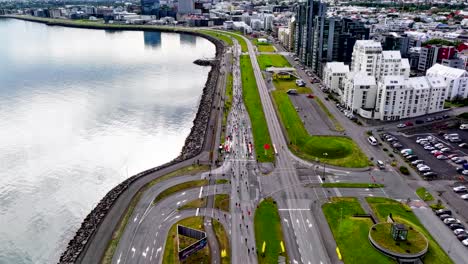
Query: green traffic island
(252, 101)
(398, 241)
(402, 213)
(222, 202)
(178, 188)
(272, 60)
(268, 233)
(424, 194)
(351, 232)
(175, 241)
(118, 232)
(351, 185)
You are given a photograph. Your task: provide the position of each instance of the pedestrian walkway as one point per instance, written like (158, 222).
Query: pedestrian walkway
(367, 208)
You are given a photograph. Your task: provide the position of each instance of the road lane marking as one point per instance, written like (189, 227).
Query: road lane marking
(286, 220)
(154, 242)
(133, 250)
(151, 256)
(157, 252)
(201, 190)
(156, 235)
(198, 211)
(120, 256)
(136, 217)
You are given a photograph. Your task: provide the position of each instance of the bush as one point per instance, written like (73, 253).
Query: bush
(385, 149)
(404, 170)
(391, 155)
(369, 132)
(393, 164)
(359, 123)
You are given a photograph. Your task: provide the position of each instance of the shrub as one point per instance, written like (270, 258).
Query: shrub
(393, 164)
(404, 170)
(391, 155)
(369, 132)
(385, 149)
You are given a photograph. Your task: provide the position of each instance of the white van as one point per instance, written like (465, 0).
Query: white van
(463, 126)
(372, 141)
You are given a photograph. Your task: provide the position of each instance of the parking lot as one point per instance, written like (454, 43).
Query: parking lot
(445, 168)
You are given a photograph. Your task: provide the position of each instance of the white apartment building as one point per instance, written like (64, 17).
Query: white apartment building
(379, 87)
(455, 79)
(333, 76)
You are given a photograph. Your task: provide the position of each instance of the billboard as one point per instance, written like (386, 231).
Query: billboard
(195, 247)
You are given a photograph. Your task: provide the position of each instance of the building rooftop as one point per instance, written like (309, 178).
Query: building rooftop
(442, 70)
(391, 54)
(337, 67)
(368, 44)
(360, 78)
(393, 80)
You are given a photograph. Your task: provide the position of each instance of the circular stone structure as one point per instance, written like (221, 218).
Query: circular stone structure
(407, 251)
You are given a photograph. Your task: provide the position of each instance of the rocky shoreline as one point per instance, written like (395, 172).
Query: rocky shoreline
(194, 145)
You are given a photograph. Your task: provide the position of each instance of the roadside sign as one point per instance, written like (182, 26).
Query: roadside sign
(266, 146)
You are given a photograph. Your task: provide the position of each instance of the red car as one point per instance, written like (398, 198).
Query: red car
(310, 96)
(438, 153)
(409, 123)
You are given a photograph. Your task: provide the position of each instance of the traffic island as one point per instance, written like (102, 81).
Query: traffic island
(404, 244)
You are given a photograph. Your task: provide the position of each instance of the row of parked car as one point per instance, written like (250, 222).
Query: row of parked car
(347, 113)
(454, 224)
(422, 121)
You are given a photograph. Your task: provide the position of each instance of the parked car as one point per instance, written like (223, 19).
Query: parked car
(409, 123)
(419, 121)
(416, 162)
(465, 172)
(460, 189)
(456, 226)
(464, 196)
(412, 157)
(430, 174)
(421, 165)
(444, 216)
(406, 150)
(462, 237)
(401, 125)
(451, 156)
(429, 147)
(465, 242)
(463, 145)
(450, 221)
(429, 119)
(445, 149)
(459, 231)
(397, 145)
(438, 153)
(443, 211)
(460, 161)
(442, 157)
(424, 169)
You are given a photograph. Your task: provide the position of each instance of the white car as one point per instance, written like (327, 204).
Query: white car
(435, 151)
(449, 221)
(465, 242)
(421, 165)
(401, 125)
(460, 188)
(424, 169)
(416, 162)
(464, 196)
(429, 147)
(445, 149)
(465, 172)
(442, 157)
(459, 231)
(406, 150)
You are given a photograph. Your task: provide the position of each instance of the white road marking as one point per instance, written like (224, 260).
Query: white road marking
(157, 252)
(198, 211)
(201, 190)
(286, 220)
(178, 202)
(177, 216)
(136, 217)
(133, 250)
(154, 242)
(183, 193)
(120, 256)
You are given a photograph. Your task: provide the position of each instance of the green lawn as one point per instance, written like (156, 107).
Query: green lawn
(424, 194)
(222, 181)
(268, 229)
(222, 201)
(264, 47)
(223, 241)
(342, 151)
(284, 85)
(227, 102)
(403, 214)
(272, 60)
(179, 187)
(239, 39)
(218, 35)
(170, 249)
(350, 232)
(415, 241)
(112, 246)
(197, 203)
(351, 185)
(254, 108)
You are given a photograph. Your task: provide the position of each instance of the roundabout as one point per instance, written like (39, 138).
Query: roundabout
(398, 241)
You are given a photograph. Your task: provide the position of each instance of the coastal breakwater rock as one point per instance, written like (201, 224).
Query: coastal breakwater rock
(194, 145)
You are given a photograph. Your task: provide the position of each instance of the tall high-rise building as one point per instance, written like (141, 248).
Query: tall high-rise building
(150, 7)
(305, 13)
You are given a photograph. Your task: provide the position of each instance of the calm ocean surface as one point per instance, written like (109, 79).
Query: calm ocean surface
(79, 110)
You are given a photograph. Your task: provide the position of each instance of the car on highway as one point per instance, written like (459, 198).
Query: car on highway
(401, 125)
(442, 157)
(443, 211)
(459, 231)
(459, 189)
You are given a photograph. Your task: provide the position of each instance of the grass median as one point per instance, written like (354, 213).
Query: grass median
(226, 39)
(351, 233)
(340, 151)
(222, 202)
(254, 107)
(351, 185)
(117, 234)
(171, 251)
(403, 214)
(223, 242)
(268, 229)
(263, 47)
(239, 39)
(179, 187)
(272, 60)
(424, 194)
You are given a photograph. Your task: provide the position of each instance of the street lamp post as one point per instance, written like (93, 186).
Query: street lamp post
(325, 155)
